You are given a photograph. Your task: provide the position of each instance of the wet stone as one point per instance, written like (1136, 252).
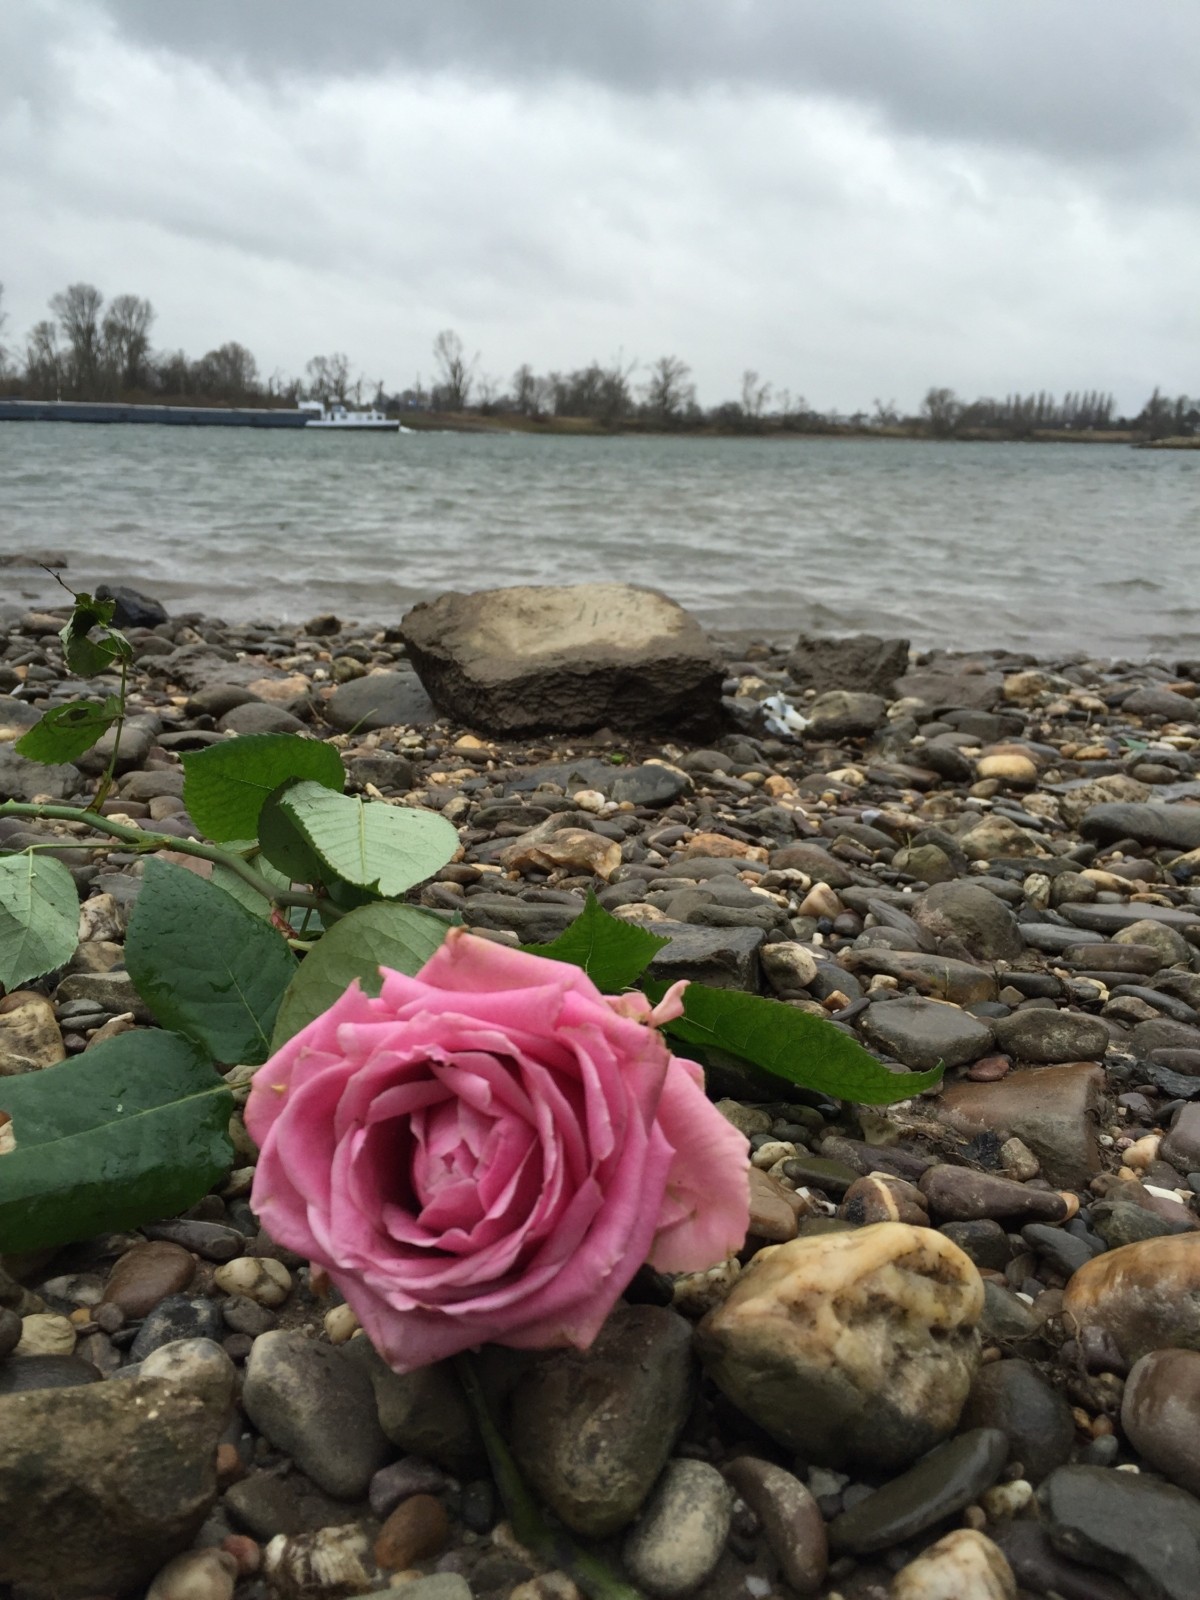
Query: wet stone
(943, 1482)
(923, 1033)
(1034, 1418)
(1144, 1530)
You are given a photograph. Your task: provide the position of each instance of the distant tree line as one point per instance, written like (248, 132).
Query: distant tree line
(90, 349)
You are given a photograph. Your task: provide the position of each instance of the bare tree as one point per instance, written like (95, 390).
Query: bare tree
(125, 334)
(667, 391)
(329, 377)
(455, 373)
(78, 311)
(886, 414)
(3, 325)
(755, 397)
(942, 410)
(525, 390)
(43, 361)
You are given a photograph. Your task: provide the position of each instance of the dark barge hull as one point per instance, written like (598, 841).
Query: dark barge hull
(174, 416)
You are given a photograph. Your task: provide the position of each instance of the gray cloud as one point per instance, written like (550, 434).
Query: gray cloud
(1110, 82)
(855, 200)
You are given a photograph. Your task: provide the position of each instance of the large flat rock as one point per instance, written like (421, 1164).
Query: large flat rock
(566, 660)
(1177, 825)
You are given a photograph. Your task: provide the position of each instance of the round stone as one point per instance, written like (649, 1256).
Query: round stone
(1160, 1413)
(1035, 1419)
(417, 1529)
(147, 1274)
(1144, 1296)
(196, 1575)
(965, 1565)
(313, 1403)
(681, 1533)
(847, 1347)
(259, 1278)
(197, 1365)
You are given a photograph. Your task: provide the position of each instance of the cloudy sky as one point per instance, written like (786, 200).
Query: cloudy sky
(857, 198)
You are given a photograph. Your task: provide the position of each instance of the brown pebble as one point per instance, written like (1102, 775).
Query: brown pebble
(417, 1528)
(146, 1274)
(229, 1465)
(988, 1069)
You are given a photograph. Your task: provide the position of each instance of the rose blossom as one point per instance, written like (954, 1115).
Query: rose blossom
(490, 1150)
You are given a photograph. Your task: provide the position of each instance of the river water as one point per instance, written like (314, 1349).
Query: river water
(1045, 547)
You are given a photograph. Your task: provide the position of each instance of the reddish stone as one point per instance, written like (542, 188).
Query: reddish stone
(988, 1069)
(417, 1529)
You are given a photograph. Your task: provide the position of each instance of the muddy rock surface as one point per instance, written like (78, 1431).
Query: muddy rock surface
(987, 862)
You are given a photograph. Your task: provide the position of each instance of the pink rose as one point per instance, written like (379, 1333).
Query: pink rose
(489, 1151)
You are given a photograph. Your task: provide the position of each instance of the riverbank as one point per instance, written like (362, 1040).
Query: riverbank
(981, 860)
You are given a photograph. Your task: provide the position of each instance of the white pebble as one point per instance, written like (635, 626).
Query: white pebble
(45, 1333)
(195, 1575)
(259, 1278)
(340, 1324)
(198, 1365)
(1006, 1500)
(589, 800)
(765, 1157)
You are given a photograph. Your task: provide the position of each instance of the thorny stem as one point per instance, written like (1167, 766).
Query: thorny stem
(556, 1548)
(137, 839)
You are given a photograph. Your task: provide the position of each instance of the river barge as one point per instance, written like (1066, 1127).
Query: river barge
(172, 416)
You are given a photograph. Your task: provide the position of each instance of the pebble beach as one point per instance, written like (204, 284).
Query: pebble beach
(958, 1357)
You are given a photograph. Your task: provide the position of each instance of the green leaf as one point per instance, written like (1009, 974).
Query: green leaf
(315, 835)
(793, 1045)
(132, 1130)
(224, 787)
(67, 731)
(85, 656)
(39, 917)
(205, 965)
(228, 880)
(379, 935)
(614, 954)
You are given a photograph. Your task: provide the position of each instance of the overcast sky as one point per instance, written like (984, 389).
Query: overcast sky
(857, 198)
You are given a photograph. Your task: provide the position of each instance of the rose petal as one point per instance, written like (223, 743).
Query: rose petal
(707, 1191)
